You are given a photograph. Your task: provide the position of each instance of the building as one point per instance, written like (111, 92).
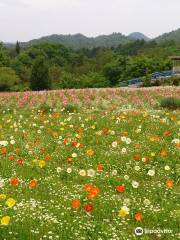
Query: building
(176, 64)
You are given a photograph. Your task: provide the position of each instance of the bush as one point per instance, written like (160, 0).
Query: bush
(8, 79)
(170, 103)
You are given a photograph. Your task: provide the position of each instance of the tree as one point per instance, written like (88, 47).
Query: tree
(17, 48)
(8, 79)
(40, 79)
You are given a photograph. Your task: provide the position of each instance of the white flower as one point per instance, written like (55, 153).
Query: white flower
(151, 172)
(167, 168)
(82, 172)
(74, 155)
(91, 172)
(146, 202)
(1, 182)
(128, 140)
(114, 172)
(112, 132)
(137, 168)
(126, 201)
(176, 141)
(114, 144)
(123, 139)
(135, 184)
(12, 142)
(123, 150)
(126, 177)
(58, 169)
(69, 170)
(3, 143)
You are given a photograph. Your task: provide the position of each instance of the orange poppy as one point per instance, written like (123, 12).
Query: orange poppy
(169, 183)
(163, 152)
(3, 150)
(167, 133)
(138, 216)
(11, 157)
(100, 167)
(17, 150)
(14, 181)
(76, 204)
(88, 187)
(33, 183)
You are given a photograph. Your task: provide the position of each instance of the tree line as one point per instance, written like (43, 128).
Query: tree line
(53, 66)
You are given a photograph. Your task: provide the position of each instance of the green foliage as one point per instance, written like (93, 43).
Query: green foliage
(170, 103)
(40, 79)
(17, 48)
(8, 79)
(4, 56)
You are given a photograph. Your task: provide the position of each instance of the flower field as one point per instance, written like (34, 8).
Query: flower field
(89, 165)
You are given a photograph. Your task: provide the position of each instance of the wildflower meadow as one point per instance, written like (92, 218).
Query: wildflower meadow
(92, 164)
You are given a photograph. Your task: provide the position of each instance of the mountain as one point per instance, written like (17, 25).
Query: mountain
(171, 36)
(77, 41)
(138, 36)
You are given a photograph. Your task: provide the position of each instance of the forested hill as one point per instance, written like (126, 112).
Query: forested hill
(171, 36)
(78, 41)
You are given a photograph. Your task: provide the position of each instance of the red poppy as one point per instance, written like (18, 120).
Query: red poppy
(48, 158)
(138, 216)
(66, 140)
(74, 143)
(100, 167)
(88, 207)
(33, 183)
(136, 157)
(14, 181)
(104, 131)
(20, 161)
(120, 188)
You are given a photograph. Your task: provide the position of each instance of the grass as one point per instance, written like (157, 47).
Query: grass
(122, 160)
(170, 103)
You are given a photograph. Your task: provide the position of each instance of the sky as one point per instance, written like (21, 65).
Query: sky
(24, 20)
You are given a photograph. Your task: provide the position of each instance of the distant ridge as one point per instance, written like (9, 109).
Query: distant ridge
(78, 41)
(138, 36)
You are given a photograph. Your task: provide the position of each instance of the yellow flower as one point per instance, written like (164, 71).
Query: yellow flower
(42, 163)
(153, 154)
(124, 211)
(90, 152)
(10, 202)
(2, 196)
(5, 220)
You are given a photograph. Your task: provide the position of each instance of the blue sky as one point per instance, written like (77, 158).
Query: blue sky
(28, 19)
